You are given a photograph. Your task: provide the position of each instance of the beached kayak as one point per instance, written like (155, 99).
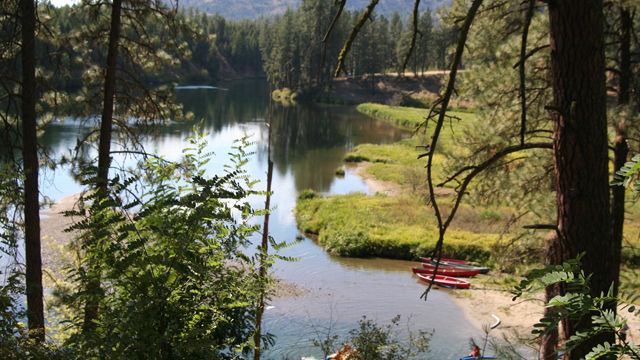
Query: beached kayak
(447, 272)
(446, 281)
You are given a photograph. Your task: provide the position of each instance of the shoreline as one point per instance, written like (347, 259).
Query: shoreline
(54, 238)
(478, 303)
(375, 185)
(479, 306)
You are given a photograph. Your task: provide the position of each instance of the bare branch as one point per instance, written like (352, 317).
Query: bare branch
(531, 53)
(444, 101)
(542, 227)
(353, 34)
(523, 58)
(333, 25)
(414, 35)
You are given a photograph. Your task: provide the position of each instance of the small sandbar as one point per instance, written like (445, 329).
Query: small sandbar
(53, 224)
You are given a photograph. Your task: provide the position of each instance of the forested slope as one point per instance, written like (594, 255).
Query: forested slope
(253, 9)
(287, 48)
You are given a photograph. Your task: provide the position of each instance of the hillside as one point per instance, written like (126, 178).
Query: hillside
(252, 9)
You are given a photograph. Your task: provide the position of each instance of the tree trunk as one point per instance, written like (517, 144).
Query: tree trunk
(265, 241)
(104, 148)
(580, 147)
(620, 147)
(35, 308)
(550, 340)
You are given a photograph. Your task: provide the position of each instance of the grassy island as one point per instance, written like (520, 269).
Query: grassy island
(393, 227)
(402, 227)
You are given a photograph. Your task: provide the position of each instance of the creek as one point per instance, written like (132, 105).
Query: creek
(309, 141)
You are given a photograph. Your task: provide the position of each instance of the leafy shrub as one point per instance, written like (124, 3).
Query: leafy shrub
(373, 342)
(579, 301)
(308, 194)
(490, 214)
(339, 171)
(15, 340)
(509, 282)
(355, 158)
(349, 241)
(175, 283)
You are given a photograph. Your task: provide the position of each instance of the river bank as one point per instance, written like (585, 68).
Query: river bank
(477, 303)
(515, 316)
(417, 90)
(54, 240)
(483, 300)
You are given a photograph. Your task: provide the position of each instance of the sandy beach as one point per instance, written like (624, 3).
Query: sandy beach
(479, 303)
(54, 237)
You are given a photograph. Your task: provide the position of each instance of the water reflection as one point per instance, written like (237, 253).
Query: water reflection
(309, 142)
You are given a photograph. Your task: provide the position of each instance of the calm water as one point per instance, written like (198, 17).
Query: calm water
(308, 144)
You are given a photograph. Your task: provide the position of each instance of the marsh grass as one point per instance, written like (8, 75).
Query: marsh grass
(391, 161)
(405, 117)
(392, 227)
(404, 228)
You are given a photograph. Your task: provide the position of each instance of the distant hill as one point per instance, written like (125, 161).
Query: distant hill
(252, 9)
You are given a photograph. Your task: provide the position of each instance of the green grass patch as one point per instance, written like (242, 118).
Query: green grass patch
(392, 227)
(399, 162)
(307, 194)
(405, 117)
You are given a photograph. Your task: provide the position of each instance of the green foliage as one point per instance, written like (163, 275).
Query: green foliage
(399, 228)
(373, 342)
(579, 302)
(176, 283)
(351, 157)
(339, 171)
(15, 342)
(292, 46)
(12, 332)
(490, 214)
(407, 117)
(403, 117)
(285, 93)
(307, 194)
(625, 174)
(509, 282)
(392, 160)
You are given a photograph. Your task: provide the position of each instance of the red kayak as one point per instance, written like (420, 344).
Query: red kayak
(446, 281)
(444, 267)
(453, 261)
(448, 272)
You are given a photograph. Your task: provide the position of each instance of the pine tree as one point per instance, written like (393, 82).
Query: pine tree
(118, 34)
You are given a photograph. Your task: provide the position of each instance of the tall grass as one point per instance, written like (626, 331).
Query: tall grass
(399, 228)
(405, 117)
(393, 160)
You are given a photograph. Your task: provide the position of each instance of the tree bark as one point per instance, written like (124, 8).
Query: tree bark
(35, 308)
(620, 147)
(580, 147)
(550, 340)
(265, 240)
(104, 148)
